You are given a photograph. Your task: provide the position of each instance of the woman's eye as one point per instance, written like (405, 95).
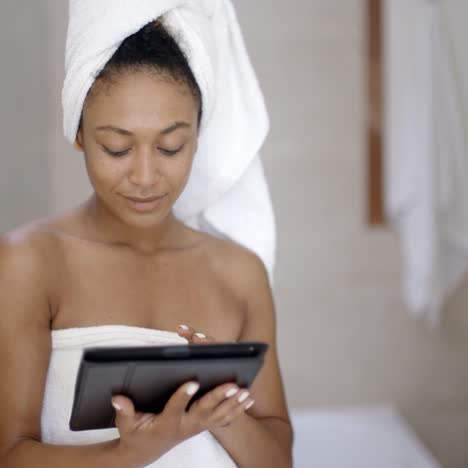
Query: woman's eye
(115, 153)
(169, 152)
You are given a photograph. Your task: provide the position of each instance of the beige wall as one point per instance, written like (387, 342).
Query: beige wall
(70, 184)
(344, 336)
(24, 112)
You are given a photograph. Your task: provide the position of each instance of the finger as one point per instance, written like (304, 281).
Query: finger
(202, 338)
(179, 399)
(186, 331)
(228, 411)
(206, 404)
(248, 404)
(125, 414)
(231, 403)
(193, 336)
(236, 412)
(228, 405)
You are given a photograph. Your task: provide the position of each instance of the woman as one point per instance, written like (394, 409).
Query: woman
(123, 264)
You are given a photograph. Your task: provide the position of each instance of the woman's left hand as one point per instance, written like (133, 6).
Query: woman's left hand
(193, 336)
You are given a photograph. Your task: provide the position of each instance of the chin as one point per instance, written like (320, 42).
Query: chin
(138, 219)
(145, 221)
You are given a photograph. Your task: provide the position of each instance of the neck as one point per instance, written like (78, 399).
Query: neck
(145, 240)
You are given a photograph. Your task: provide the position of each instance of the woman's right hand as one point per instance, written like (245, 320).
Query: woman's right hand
(147, 436)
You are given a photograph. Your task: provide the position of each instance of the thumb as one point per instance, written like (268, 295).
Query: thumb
(125, 415)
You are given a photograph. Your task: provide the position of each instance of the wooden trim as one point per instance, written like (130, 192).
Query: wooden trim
(375, 204)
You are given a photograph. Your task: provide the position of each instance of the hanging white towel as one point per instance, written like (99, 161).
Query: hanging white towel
(426, 157)
(227, 193)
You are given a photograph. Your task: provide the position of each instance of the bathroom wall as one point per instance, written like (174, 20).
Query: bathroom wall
(24, 112)
(70, 185)
(345, 337)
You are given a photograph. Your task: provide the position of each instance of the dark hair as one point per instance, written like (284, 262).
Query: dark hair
(152, 49)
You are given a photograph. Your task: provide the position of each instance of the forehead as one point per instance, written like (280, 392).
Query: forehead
(140, 96)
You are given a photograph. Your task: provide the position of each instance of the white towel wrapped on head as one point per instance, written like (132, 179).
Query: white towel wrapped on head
(226, 192)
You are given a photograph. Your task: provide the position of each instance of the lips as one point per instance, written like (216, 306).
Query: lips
(145, 205)
(144, 200)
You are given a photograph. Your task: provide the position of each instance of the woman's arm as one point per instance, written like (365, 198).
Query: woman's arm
(263, 436)
(24, 358)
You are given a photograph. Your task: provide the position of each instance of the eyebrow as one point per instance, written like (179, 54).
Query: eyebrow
(122, 131)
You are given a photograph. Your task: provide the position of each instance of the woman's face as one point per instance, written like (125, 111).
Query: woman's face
(139, 135)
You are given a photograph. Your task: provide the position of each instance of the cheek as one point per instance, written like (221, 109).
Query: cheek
(181, 175)
(181, 169)
(176, 170)
(105, 171)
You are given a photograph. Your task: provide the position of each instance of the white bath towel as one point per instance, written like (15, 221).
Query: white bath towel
(226, 193)
(200, 451)
(426, 155)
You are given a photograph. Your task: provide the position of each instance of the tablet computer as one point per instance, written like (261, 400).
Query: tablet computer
(149, 375)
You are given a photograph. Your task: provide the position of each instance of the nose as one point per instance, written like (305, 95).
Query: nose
(144, 170)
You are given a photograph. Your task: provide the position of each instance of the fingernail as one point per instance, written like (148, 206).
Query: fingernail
(116, 406)
(242, 396)
(192, 388)
(200, 335)
(249, 404)
(231, 392)
(184, 327)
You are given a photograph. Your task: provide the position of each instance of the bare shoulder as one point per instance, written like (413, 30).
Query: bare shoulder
(26, 256)
(27, 246)
(20, 249)
(237, 265)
